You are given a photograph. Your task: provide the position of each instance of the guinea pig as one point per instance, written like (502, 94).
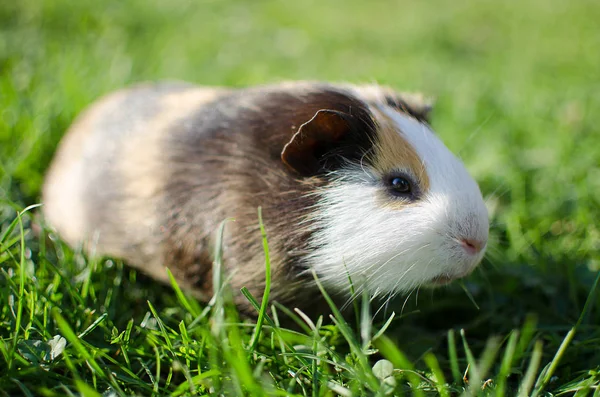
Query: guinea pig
(353, 184)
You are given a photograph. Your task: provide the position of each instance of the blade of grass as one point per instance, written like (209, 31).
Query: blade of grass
(4, 350)
(275, 328)
(248, 295)
(385, 326)
(93, 326)
(11, 227)
(6, 245)
(315, 363)
(472, 363)
(217, 301)
(440, 383)
(162, 327)
(217, 305)
(147, 369)
(21, 293)
(24, 389)
(293, 316)
(365, 320)
(547, 373)
(469, 295)
(125, 344)
(156, 384)
(534, 363)
(278, 335)
(237, 358)
(352, 297)
(194, 311)
(506, 365)
(197, 379)
(86, 390)
(527, 332)
(453, 357)
(265, 300)
(483, 365)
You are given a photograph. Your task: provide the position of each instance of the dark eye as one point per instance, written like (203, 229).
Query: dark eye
(400, 186)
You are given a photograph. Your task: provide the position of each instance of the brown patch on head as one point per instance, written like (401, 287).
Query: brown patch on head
(392, 152)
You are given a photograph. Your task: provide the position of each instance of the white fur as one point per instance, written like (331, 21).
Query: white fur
(389, 250)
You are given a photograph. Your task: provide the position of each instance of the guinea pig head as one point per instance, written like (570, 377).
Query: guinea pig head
(396, 213)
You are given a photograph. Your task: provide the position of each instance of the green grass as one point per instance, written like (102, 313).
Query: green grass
(518, 93)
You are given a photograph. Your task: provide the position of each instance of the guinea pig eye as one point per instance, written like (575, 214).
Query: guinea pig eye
(400, 186)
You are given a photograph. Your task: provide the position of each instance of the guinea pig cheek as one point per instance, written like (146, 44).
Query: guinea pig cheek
(386, 248)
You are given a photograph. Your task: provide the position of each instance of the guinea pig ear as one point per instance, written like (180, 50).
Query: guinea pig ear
(414, 104)
(313, 138)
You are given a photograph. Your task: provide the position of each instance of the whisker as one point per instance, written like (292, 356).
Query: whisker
(475, 132)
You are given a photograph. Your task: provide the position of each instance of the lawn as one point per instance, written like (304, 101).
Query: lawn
(517, 88)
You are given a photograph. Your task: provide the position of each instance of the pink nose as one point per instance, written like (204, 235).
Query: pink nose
(472, 246)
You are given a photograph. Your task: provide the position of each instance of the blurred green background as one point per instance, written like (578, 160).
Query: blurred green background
(517, 88)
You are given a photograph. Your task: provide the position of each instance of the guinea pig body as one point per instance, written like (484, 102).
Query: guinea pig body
(351, 180)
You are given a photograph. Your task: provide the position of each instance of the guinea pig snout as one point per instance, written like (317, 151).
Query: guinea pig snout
(468, 250)
(472, 246)
(470, 234)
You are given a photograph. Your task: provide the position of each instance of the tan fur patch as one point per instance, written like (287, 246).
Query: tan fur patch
(64, 184)
(143, 165)
(392, 151)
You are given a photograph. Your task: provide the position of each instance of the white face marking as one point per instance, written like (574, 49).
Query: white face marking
(393, 249)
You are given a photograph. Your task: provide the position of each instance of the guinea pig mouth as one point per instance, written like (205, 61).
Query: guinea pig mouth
(445, 279)
(442, 280)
